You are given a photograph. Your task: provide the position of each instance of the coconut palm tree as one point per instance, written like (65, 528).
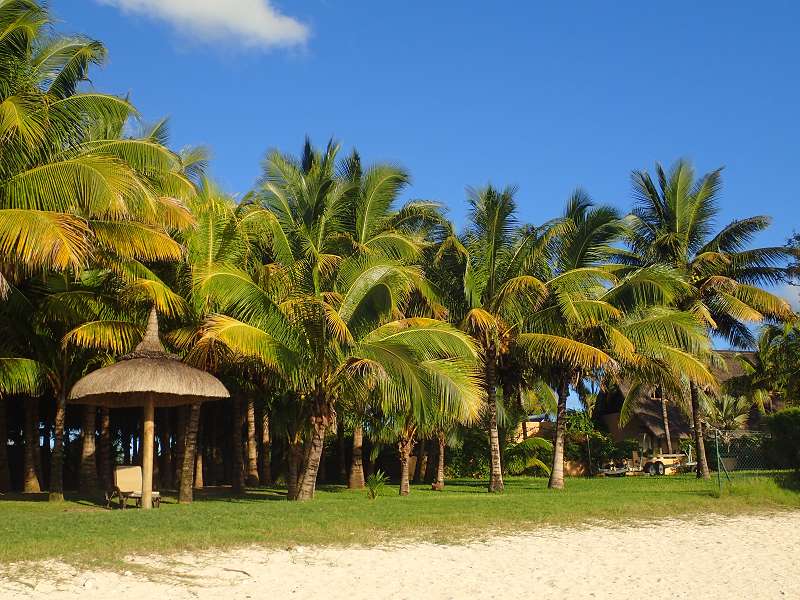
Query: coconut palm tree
(585, 317)
(772, 372)
(523, 289)
(75, 192)
(373, 222)
(71, 187)
(673, 225)
(484, 275)
(326, 316)
(346, 337)
(727, 413)
(17, 376)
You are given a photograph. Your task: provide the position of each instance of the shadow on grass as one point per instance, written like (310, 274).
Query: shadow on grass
(464, 486)
(21, 497)
(89, 501)
(226, 493)
(789, 481)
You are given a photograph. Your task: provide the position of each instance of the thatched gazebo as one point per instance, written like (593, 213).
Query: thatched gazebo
(147, 377)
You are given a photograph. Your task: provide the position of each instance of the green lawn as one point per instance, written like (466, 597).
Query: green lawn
(79, 531)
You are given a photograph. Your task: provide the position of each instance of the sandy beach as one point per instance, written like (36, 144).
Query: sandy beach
(741, 557)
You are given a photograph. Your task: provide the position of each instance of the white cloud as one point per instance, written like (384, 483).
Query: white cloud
(246, 22)
(790, 293)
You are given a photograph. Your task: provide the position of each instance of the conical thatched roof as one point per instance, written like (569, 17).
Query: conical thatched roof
(147, 371)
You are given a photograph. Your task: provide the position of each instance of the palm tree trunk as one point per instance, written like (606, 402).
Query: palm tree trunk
(237, 479)
(5, 474)
(293, 470)
(106, 466)
(665, 417)
(37, 448)
(31, 481)
(557, 474)
(404, 446)
(252, 449)
(356, 481)
(422, 460)
(57, 457)
(167, 468)
(439, 483)
(496, 474)
(700, 446)
(322, 417)
(266, 450)
(307, 483)
(308, 480)
(180, 441)
(199, 482)
(430, 466)
(88, 474)
(185, 493)
(341, 453)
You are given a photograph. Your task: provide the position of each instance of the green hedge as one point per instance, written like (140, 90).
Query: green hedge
(784, 426)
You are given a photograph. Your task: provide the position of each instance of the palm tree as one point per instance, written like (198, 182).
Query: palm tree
(727, 413)
(771, 372)
(401, 424)
(372, 223)
(673, 225)
(71, 187)
(331, 345)
(324, 316)
(483, 275)
(75, 192)
(586, 317)
(17, 376)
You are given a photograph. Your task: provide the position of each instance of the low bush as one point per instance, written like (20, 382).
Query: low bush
(375, 484)
(784, 426)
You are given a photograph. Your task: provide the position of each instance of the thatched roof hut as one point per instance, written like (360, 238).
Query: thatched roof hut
(147, 377)
(647, 420)
(148, 370)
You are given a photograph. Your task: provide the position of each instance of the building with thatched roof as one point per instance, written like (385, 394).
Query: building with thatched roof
(647, 423)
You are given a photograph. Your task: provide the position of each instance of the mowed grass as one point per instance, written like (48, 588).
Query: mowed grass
(79, 531)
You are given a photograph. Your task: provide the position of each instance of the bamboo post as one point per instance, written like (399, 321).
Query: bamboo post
(147, 453)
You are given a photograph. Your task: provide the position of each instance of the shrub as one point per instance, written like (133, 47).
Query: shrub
(529, 457)
(784, 426)
(375, 484)
(471, 457)
(603, 448)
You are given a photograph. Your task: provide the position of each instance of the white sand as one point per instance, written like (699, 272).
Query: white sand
(724, 558)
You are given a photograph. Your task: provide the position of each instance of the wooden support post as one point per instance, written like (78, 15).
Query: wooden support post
(148, 432)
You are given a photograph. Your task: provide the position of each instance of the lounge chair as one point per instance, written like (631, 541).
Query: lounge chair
(128, 484)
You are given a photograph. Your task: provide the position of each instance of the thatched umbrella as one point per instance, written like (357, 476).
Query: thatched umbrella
(147, 377)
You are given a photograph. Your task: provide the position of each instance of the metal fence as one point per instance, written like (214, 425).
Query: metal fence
(741, 453)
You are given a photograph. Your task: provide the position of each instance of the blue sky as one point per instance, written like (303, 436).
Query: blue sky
(548, 96)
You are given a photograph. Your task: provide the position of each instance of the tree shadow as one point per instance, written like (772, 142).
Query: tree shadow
(332, 488)
(458, 486)
(226, 494)
(789, 481)
(85, 500)
(23, 497)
